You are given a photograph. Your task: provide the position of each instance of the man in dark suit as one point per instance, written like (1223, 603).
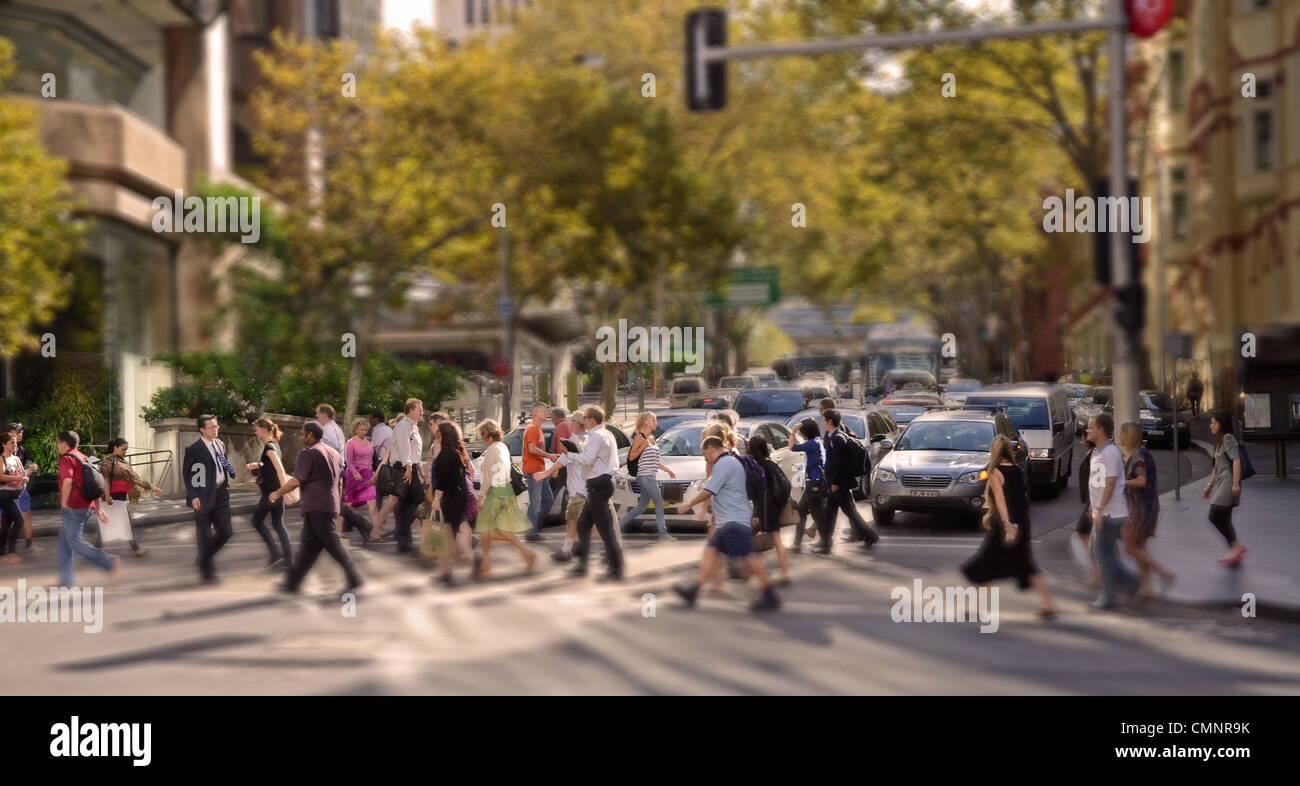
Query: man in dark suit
(207, 490)
(840, 474)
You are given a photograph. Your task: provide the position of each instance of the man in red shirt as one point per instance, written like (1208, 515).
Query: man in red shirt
(539, 491)
(76, 511)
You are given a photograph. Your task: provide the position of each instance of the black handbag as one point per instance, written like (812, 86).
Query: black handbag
(517, 481)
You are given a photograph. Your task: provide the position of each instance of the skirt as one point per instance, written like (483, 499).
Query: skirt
(996, 559)
(501, 511)
(357, 492)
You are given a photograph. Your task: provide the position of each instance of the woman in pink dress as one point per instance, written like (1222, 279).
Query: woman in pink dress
(357, 488)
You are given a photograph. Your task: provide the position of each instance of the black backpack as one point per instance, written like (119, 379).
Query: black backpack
(93, 484)
(857, 453)
(778, 487)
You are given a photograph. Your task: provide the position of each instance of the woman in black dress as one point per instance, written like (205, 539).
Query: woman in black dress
(268, 470)
(452, 497)
(1005, 550)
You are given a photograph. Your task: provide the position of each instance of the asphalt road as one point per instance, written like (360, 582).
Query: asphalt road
(547, 633)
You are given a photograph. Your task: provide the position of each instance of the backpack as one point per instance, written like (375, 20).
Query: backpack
(778, 487)
(857, 453)
(93, 484)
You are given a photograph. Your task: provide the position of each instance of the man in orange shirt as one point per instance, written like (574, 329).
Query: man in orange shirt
(540, 496)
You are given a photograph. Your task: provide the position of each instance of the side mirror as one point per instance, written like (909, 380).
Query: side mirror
(886, 443)
(1058, 428)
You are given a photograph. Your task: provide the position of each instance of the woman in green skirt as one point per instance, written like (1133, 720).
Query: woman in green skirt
(499, 517)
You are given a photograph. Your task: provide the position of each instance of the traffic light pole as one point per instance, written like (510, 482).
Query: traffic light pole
(707, 54)
(1124, 366)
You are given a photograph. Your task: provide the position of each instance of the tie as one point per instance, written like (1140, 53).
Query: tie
(221, 461)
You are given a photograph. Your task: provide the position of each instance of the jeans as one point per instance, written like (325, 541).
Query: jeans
(1113, 573)
(12, 524)
(540, 498)
(71, 543)
(650, 492)
(813, 504)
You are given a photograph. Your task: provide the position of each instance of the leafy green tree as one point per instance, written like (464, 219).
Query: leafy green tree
(38, 234)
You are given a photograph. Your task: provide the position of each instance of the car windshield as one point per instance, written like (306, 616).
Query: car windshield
(769, 402)
(964, 435)
(685, 440)
(963, 385)
(515, 439)
(1075, 391)
(743, 383)
(688, 386)
(1158, 401)
(903, 412)
(1026, 412)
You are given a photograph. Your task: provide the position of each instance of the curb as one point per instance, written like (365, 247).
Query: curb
(152, 519)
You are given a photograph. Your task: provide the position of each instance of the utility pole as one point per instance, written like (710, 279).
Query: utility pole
(1124, 366)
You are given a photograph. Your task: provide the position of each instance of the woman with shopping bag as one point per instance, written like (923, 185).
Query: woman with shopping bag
(125, 486)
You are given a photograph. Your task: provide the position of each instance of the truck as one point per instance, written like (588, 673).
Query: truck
(911, 345)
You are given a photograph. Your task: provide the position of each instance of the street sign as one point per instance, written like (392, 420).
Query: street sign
(501, 368)
(1146, 17)
(749, 286)
(504, 306)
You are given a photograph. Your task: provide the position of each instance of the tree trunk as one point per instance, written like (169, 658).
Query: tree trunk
(609, 389)
(356, 369)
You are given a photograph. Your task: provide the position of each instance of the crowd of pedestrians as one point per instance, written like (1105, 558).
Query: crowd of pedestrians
(383, 470)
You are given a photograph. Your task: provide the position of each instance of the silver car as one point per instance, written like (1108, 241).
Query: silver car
(941, 464)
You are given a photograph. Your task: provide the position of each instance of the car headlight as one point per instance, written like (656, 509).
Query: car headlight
(976, 476)
(884, 475)
(1040, 453)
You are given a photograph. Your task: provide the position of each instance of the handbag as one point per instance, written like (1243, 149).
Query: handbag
(762, 541)
(292, 497)
(789, 516)
(392, 481)
(517, 482)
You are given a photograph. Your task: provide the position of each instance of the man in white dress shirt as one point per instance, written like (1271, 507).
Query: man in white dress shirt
(333, 431)
(404, 452)
(597, 462)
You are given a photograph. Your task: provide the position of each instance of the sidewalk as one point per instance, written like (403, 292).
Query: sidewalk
(1266, 523)
(167, 509)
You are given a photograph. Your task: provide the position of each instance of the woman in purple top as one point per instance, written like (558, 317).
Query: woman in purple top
(357, 488)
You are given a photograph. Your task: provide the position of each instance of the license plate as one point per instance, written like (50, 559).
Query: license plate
(1155, 432)
(925, 493)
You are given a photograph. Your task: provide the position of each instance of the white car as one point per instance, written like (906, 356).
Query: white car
(679, 448)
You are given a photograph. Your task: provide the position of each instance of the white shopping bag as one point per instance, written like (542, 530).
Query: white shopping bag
(118, 526)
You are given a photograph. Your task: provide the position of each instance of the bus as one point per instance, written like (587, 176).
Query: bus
(898, 345)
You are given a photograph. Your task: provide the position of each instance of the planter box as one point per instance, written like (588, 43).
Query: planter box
(242, 445)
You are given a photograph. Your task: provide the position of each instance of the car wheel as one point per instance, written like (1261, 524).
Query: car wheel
(883, 517)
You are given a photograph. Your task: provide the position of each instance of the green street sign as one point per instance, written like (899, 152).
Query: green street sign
(748, 286)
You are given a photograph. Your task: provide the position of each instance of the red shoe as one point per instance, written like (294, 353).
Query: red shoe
(1233, 560)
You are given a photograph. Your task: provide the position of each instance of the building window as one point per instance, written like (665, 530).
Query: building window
(1264, 138)
(327, 18)
(487, 11)
(1178, 202)
(469, 12)
(1177, 72)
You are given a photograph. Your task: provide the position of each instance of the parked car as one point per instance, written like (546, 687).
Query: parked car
(745, 382)
(872, 424)
(957, 389)
(1041, 415)
(1156, 417)
(1095, 401)
(679, 448)
(684, 389)
(771, 402)
(1074, 393)
(905, 406)
(514, 441)
(718, 398)
(941, 463)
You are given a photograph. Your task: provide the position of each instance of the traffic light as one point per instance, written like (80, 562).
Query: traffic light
(706, 83)
(1130, 306)
(1101, 240)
